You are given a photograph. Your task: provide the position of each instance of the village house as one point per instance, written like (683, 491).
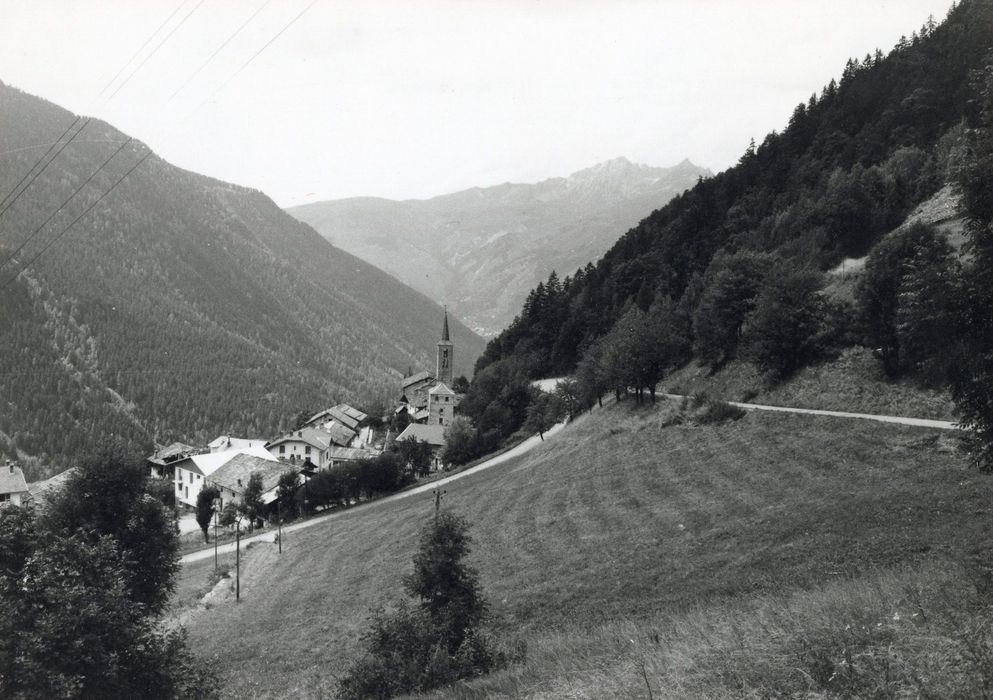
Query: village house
(310, 445)
(193, 471)
(351, 418)
(41, 490)
(160, 464)
(433, 435)
(226, 442)
(337, 456)
(13, 487)
(231, 478)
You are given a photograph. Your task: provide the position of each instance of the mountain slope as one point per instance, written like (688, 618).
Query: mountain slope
(850, 166)
(181, 306)
(482, 249)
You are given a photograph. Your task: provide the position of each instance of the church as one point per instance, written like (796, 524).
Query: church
(428, 398)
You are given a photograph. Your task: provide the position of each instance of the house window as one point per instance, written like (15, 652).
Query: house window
(307, 449)
(282, 449)
(186, 489)
(4, 497)
(191, 477)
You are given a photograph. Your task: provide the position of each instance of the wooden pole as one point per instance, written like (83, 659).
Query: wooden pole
(279, 524)
(237, 560)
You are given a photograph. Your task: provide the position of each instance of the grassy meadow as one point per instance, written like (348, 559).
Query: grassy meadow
(636, 554)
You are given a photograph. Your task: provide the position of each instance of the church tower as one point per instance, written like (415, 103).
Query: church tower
(446, 352)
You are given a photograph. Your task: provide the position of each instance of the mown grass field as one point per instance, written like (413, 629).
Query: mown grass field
(595, 547)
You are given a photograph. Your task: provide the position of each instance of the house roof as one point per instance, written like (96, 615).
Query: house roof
(340, 435)
(346, 420)
(434, 435)
(441, 389)
(41, 489)
(415, 379)
(350, 453)
(236, 472)
(12, 480)
(315, 437)
(171, 453)
(231, 443)
(207, 464)
(420, 414)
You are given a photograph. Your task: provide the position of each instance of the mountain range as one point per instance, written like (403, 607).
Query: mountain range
(483, 249)
(181, 306)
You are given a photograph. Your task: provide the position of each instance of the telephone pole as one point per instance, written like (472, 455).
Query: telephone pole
(438, 493)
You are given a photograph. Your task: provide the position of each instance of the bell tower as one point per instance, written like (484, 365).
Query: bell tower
(446, 352)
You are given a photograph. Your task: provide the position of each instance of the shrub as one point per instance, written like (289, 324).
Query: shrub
(716, 412)
(436, 642)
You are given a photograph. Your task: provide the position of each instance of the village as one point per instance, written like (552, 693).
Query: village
(329, 439)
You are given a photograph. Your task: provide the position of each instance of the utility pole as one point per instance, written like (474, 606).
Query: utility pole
(237, 559)
(438, 493)
(279, 524)
(215, 535)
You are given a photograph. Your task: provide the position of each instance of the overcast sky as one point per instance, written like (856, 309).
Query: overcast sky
(413, 98)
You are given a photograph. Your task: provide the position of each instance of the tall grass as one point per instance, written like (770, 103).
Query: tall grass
(921, 633)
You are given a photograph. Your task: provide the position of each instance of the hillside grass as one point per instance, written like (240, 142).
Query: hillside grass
(624, 520)
(852, 382)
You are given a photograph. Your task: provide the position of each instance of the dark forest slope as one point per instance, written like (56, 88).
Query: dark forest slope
(848, 168)
(181, 306)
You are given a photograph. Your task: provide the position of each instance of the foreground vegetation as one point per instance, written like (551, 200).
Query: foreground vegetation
(627, 518)
(84, 579)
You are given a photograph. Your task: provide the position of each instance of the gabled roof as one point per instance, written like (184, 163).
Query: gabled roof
(207, 464)
(352, 411)
(344, 418)
(340, 435)
(41, 489)
(434, 435)
(173, 452)
(236, 472)
(315, 437)
(441, 389)
(12, 480)
(420, 414)
(415, 379)
(226, 442)
(350, 453)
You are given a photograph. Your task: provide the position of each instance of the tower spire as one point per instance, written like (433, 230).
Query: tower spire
(446, 351)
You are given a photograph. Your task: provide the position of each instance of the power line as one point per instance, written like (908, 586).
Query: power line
(220, 48)
(254, 56)
(44, 167)
(142, 47)
(155, 50)
(62, 206)
(76, 220)
(38, 162)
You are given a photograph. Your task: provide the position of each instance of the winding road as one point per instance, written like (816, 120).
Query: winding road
(269, 535)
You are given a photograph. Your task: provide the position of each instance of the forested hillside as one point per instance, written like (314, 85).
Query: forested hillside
(180, 307)
(482, 249)
(734, 268)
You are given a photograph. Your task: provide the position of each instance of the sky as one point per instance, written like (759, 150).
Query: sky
(322, 99)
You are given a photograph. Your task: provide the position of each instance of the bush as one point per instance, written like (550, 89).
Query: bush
(716, 412)
(438, 642)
